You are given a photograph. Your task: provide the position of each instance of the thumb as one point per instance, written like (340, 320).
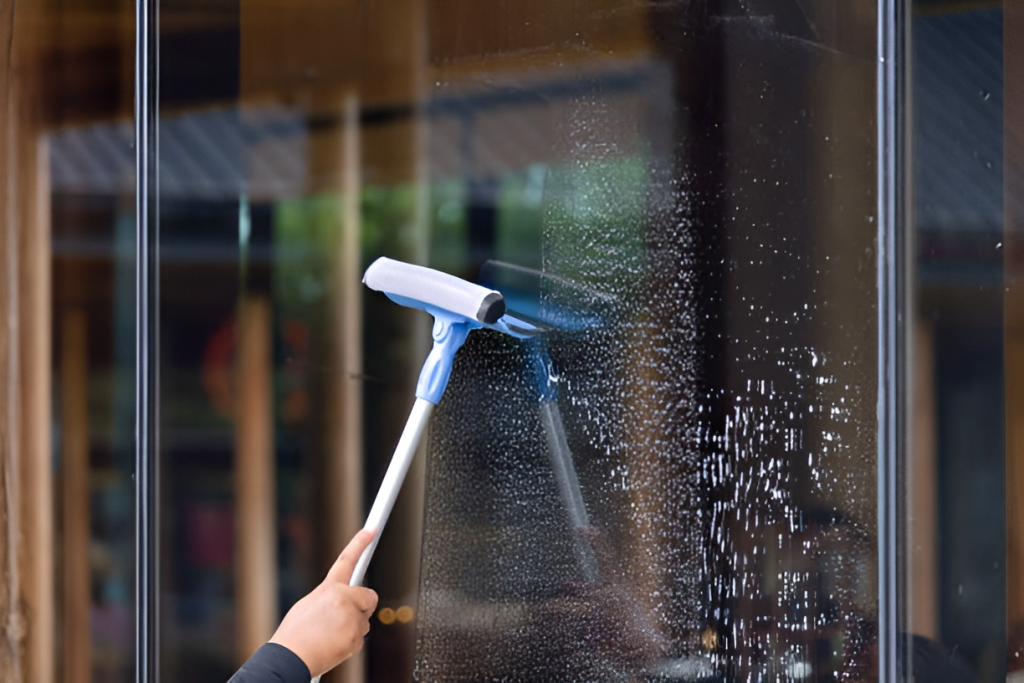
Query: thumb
(341, 571)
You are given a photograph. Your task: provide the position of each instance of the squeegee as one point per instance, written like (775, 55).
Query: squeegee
(458, 307)
(522, 288)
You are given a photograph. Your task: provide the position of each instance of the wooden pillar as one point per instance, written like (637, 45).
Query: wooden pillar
(36, 413)
(922, 579)
(28, 612)
(414, 488)
(344, 480)
(74, 397)
(256, 610)
(11, 618)
(26, 499)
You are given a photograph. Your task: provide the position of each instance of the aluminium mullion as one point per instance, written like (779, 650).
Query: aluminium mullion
(891, 254)
(146, 338)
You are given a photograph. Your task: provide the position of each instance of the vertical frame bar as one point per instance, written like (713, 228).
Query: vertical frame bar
(892, 235)
(146, 349)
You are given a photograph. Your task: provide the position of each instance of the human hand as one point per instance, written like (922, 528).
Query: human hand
(327, 626)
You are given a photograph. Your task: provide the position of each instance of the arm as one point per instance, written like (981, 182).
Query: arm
(272, 663)
(321, 630)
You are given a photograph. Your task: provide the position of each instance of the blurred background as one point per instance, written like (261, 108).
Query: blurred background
(694, 182)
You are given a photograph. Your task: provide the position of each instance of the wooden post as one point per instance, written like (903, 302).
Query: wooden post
(412, 509)
(77, 643)
(255, 510)
(35, 355)
(27, 605)
(344, 495)
(922, 579)
(11, 619)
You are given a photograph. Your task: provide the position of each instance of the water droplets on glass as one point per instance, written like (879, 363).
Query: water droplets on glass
(711, 386)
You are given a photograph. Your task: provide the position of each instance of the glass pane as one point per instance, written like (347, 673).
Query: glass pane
(963, 471)
(1013, 202)
(703, 212)
(66, 342)
(677, 481)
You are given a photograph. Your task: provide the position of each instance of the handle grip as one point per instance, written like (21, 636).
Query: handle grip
(389, 488)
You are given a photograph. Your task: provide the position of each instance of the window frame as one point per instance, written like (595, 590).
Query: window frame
(893, 267)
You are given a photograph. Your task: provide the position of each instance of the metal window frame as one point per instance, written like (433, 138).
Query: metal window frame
(892, 296)
(893, 266)
(147, 311)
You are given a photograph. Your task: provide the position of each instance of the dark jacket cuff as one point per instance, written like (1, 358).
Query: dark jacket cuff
(272, 663)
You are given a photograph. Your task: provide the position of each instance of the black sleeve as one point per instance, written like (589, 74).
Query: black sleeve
(272, 663)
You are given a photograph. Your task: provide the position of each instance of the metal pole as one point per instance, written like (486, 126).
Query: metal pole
(147, 230)
(891, 102)
(393, 478)
(405, 451)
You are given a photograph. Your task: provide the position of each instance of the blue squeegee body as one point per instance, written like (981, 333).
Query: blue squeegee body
(458, 307)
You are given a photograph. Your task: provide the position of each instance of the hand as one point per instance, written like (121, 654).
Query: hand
(327, 626)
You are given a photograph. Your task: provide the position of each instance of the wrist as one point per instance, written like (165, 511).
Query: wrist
(297, 650)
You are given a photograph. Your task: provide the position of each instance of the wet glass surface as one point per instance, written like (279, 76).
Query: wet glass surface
(676, 482)
(707, 245)
(958, 465)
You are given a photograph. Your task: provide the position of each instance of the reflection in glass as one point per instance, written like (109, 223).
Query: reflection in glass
(704, 220)
(76, 62)
(693, 187)
(94, 319)
(676, 482)
(959, 525)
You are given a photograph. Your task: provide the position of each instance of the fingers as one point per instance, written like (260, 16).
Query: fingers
(346, 562)
(366, 600)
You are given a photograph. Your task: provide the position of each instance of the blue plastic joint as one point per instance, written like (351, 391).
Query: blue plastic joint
(449, 334)
(544, 375)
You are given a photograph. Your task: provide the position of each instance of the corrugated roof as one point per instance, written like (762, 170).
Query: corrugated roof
(958, 123)
(478, 130)
(206, 155)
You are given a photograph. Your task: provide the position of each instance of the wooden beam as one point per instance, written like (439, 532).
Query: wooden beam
(74, 426)
(314, 52)
(256, 610)
(320, 51)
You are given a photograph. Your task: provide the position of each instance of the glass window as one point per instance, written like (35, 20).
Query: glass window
(961, 464)
(688, 475)
(66, 342)
(678, 479)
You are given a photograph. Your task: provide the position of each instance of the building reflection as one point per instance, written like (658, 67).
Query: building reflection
(706, 167)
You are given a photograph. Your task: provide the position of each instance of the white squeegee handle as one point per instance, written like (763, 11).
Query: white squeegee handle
(389, 488)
